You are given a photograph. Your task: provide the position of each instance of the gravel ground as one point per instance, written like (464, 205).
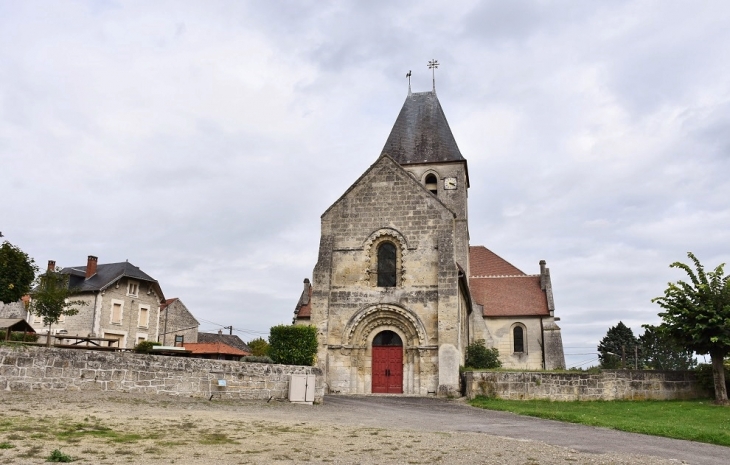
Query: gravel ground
(112, 428)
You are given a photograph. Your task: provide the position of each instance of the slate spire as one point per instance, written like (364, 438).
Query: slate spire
(421, 133)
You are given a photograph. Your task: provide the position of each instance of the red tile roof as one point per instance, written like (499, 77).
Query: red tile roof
(164, 304)
(484, 262)
(305, 311)
(509, 296)
(501, 288)
(213, 348)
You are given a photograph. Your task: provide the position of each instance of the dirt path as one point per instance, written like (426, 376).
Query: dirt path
(111, 428)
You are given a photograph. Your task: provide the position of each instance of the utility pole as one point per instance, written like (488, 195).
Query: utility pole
(636, 357)
(230, 330)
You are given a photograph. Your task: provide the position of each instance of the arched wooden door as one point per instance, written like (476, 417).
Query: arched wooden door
(387, 363)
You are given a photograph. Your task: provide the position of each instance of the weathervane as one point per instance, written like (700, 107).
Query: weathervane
(432, 65)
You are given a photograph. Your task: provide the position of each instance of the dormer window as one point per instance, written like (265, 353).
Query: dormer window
(432, 183)
(132, 288)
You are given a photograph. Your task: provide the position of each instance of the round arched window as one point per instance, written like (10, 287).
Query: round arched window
(519, 339)
(386, 265)
(387, 338)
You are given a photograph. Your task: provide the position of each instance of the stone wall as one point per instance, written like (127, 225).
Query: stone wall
(36, 368)
(606, 385)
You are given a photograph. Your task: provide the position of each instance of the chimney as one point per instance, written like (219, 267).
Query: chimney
(305, 294)
(220, 332)
(91, 266)
(51, 265)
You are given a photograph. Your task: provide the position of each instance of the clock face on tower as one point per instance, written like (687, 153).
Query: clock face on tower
(450, 183)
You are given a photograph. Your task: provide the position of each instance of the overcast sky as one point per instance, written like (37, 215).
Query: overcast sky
(202, 141)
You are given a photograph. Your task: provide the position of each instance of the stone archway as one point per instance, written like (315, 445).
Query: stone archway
(359, 334)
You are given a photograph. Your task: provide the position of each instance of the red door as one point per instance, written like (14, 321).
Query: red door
(388, 369)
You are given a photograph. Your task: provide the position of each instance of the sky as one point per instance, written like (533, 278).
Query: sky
(202, 141)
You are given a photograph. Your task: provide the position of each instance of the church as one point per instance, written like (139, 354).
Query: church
(398, 293)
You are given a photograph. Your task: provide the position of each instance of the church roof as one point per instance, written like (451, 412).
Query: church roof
(502, 289)
(507, 296)
(421, 133)
(484, 262)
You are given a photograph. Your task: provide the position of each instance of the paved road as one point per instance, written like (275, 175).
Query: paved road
(436, 414)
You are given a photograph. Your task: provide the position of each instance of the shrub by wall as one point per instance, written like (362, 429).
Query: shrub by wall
(293, 345)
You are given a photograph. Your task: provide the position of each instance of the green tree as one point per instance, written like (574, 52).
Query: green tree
(478, 356)
(259, 347)
(697, 316)
(659, 352)
(293, 345)
(17, 272)
(51, 299)
(619, 340)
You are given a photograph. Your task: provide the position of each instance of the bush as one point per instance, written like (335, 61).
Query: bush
(23, 337)
(257, 359)
(145, 347)
(293, 345)
(58, 456)
(478, 356)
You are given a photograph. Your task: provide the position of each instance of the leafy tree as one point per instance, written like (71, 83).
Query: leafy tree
(293, 345)
(659, 352)
(51, 299)
(259, 347)
(478, 356)
(697, 316)
(17, 272)
(618, 340)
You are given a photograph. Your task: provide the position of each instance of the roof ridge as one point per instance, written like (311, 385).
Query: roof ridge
(506, 276)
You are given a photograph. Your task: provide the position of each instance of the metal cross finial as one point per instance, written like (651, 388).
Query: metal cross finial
(409, 80)
(432, 65)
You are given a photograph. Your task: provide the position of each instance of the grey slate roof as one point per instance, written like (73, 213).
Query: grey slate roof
(106, 275)
(421, 133)
(229, 339)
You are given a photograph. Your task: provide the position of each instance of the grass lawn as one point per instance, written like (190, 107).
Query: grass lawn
(694, 420)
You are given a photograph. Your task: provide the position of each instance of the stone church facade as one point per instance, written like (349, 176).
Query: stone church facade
(393, 296)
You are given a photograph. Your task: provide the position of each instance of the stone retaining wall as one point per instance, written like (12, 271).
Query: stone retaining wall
(605, 385)
(35, 368)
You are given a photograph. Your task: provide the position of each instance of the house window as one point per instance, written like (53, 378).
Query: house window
(144, 316)
(386, 265)
(518, 338)
(179, 338)
(119, 338)
(116, 313)
(132, 288)
(141, 339)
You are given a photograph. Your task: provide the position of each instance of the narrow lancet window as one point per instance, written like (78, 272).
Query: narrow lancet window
(519, 339)
(386, 265)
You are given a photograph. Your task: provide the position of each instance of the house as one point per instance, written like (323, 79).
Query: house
(397, 292)
(215, 350)
(122, 302)
(228, 339)
(177, 325)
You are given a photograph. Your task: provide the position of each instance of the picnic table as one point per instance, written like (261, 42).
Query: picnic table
(100, 342)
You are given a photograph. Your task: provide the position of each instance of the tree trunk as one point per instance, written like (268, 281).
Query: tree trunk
(48, 338)
(718, 374)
